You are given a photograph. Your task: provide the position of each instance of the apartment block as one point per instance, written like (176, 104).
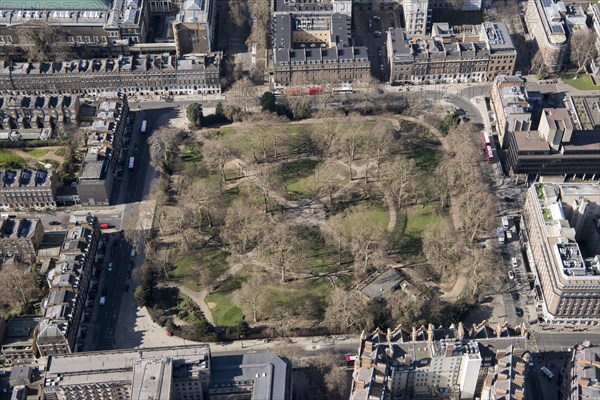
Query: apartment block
(69, 283)
(511, 106)
(18, 344)
(566, 141)
(20, 239)
(452, 54)
(186, 373)
(138, 74)
(28, 189)
(566, 262)
(506, 379)
(105, 149)
(429, 362)
(36, 117)
(545, 20)
(583, 369)
(417, 16)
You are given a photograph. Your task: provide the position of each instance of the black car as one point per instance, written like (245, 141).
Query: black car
(126, 289)
(53, 223)
(515, 296)
(519, 312)
(508, 199)
(104, 292)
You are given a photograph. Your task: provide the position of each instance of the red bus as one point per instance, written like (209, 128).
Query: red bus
(350, 360)
(485, 139)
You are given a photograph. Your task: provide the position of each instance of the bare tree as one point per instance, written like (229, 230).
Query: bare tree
(251, 296)
(244, 226)
(217, 155)
(364, 236)
(350, 145)
(401, 180)
(18, 284)
(583, 49)
(336, 381)
(279, 249)
(164, 144)
(442, 247)
(347, 311)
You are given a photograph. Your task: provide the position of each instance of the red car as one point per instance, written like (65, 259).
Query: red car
(104, 226)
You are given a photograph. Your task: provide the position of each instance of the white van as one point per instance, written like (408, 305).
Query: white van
(102, 300)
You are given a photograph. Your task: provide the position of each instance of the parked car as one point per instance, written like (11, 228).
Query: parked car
(511, 275)
(109, 267)
(514, 262)
(53, 223)
(515, 296)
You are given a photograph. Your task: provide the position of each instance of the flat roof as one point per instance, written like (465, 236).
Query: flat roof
(53, 5)
(530, 141)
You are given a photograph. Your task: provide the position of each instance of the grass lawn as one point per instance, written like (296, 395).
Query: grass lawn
(304, 299)
(225, 312)
(320, 258)
(294, 176)
(186, 268)
(37, 152)
(9, 159)
(191, 155)
(425, 158)
(407, 237)
(583, 81)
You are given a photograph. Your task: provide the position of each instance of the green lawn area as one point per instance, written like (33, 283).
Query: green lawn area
(407, 237)
(36, 152)
(294, 176)
(305, 299)
(186, 268)
(425, 158)
(224, 312)
(9, 159)
(191, 155)
(319, 257)
(547, 215)
(583, 81)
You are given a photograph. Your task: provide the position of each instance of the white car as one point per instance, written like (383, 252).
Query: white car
(109, 267)
(514, 262)
(511, 275)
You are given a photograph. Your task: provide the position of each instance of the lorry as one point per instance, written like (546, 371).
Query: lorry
(131, 164)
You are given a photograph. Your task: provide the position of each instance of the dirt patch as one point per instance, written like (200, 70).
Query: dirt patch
(211, 305)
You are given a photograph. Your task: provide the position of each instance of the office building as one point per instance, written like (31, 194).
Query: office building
(429, 362)
(36, 117)
(138, 74)
(567, 141)
(23, 189)
(511, 106)
(473, 53)
(20, 239)
(312, 44)
(186, 373)
(582, 378)
(565, 262)
(69, 283)
(545, 20)
(18, 344)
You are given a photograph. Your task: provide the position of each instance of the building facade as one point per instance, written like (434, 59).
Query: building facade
(69, 283)
(457, 54)
(417, 16)
(510, 105)
(139, 74)
(429, 362)
(28, 189)
(544, 18)
(566, 277)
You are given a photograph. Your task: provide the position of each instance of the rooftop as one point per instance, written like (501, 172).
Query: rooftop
(20, 329)
(53, 5)
(530, 141)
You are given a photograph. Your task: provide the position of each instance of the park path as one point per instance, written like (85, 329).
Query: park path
(459, 285)
(197, 297)
(50, 155)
